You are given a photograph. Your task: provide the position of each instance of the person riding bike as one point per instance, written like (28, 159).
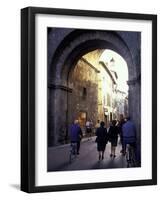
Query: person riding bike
(76, 134)
(129, 134)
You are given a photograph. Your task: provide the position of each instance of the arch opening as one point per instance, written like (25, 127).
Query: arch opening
(99, 88)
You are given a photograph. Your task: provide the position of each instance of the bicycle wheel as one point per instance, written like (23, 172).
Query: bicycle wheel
(133, 157)
(128, 156)
(70, 158)
(73, 152)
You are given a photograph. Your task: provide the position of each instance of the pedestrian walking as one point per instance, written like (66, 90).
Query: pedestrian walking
(129, 133)
(113, 137)
(89, 128)
(76, 134)
(101, 139)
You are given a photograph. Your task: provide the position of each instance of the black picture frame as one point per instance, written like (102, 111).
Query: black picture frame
(28, 99)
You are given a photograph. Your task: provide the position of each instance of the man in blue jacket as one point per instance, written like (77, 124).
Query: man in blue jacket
(129, 133)
(76, 134)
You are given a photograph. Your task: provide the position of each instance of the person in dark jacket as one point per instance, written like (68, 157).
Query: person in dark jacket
(76, 134)
(113, 137)
(101, 140)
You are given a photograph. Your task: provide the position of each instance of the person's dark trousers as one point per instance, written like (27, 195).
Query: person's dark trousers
(78, 146)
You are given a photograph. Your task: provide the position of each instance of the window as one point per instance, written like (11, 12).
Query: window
(84, 93)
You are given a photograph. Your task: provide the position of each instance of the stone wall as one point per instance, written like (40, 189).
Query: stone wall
(84, 95)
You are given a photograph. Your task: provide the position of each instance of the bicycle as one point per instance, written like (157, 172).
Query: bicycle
(130, 155)
(73, 151)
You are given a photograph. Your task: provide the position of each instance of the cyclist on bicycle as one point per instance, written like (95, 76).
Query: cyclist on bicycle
(129, 134)
(76, 134)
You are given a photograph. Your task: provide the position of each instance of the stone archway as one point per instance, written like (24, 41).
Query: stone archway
(64, 59)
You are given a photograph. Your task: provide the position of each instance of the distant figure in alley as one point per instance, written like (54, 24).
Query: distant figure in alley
(89, 125)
